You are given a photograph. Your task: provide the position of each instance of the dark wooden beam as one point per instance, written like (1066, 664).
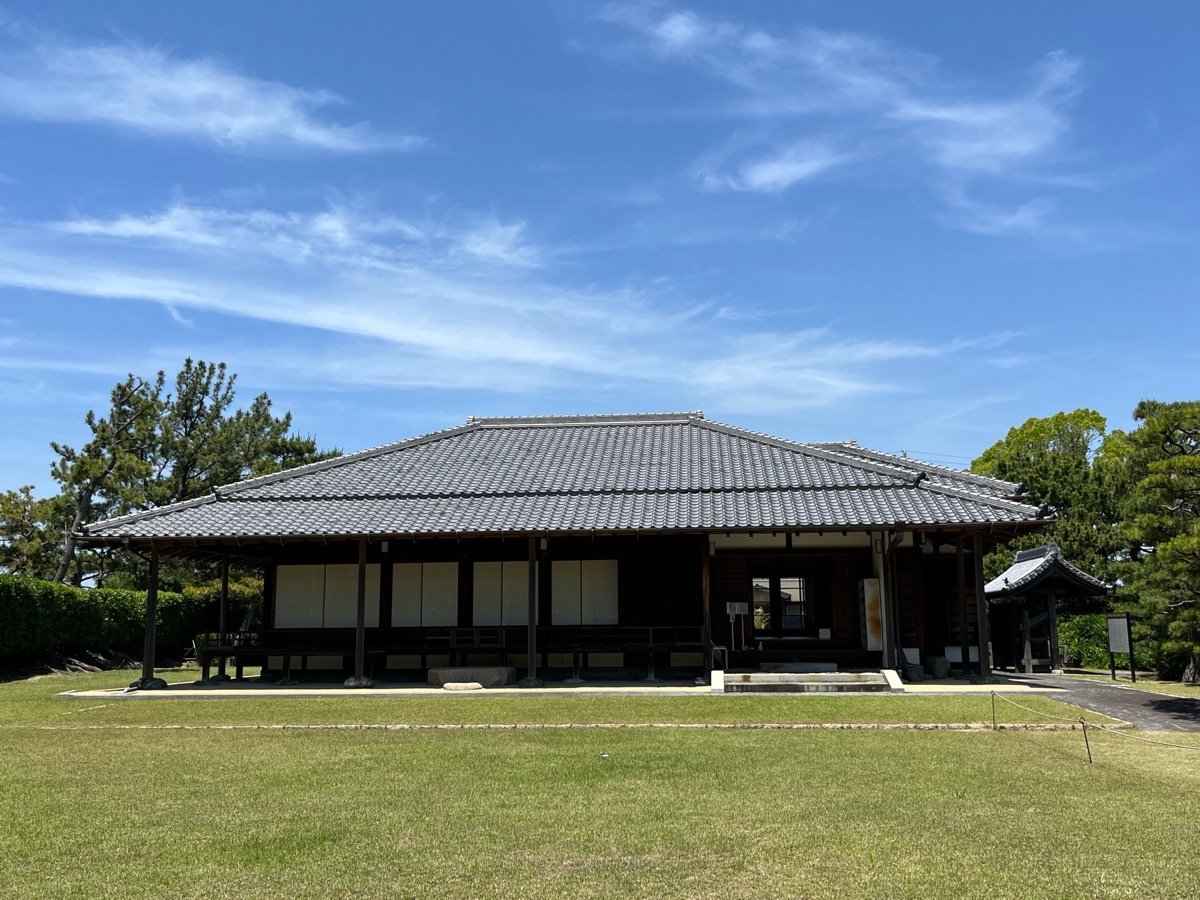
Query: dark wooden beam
(148, 681)
(531, 679)
(360, 628)
(149, 648)
(706, 603)
(221, 624)
(960, 564)
(985, 666)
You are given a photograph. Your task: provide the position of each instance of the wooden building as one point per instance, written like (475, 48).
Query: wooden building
(599, 544)
(1024, 620)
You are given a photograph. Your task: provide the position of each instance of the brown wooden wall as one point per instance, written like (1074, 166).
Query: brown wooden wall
(927, 591)
(841, 571)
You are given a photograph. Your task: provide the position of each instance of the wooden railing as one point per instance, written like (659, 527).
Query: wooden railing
(253, 648)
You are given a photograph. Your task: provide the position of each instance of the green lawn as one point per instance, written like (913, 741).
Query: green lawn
(171, 812)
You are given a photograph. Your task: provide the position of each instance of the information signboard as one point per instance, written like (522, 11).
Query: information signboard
(1118, 633)
(1120, 641)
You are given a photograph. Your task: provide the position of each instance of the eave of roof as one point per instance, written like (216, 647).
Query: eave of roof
(889, 491)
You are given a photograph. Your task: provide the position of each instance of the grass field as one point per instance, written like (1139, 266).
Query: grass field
(92, 808)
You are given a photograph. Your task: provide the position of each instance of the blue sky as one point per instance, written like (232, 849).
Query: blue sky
(910, 224)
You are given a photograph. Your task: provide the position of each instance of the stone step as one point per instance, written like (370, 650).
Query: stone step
(805, 682)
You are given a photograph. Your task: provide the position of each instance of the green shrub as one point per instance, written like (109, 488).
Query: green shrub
(41, 617)
(1169, 659)
(1083, 642)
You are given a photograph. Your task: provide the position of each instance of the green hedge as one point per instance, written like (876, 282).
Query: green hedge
(1083, 641)
(43, 617)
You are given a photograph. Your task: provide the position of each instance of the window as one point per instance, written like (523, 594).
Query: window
(584, 592)
(424, 594)
(501, 593)
(792, 597)
(785, 596)
(316, 596)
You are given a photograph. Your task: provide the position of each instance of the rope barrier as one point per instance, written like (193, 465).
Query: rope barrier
(1144, 740)
(1037, 712)
(1086, 725)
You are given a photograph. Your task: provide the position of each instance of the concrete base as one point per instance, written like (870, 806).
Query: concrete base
(487, 676)
(804, 683)
(893, 680)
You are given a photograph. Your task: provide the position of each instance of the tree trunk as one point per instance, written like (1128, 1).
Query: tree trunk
(1191, 673)
(82, 510)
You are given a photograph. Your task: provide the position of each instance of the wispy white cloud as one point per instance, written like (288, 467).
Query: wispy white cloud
(342, 233)
(775, 170)
(811, 101)
(498, 242)
(50, 78)
(397, 301)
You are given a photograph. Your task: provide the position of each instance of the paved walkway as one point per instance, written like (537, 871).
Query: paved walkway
(255, 688)
(1143, 710)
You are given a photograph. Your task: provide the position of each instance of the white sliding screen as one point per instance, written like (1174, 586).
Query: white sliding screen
(299, 596)
(501, 593)
(316, 596)
(341, 596)
(599, 601)
(424, 594)
(584, 591)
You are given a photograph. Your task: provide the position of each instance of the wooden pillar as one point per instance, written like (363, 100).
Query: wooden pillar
(360, 628)
(531, 679)
(985, 663)
(894, 575)
(885, 600)
(1026, 643)
(706, 606)
(221, 625)
(961, 566)
(1052, 612)
(149, 648)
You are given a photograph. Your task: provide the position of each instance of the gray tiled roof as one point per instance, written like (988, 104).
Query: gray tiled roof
(577, 474)
(1033, 568)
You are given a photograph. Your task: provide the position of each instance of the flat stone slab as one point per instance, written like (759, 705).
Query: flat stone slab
(462, 686)
(485, 676)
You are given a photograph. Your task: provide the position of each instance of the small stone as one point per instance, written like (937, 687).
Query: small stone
(462, 686)
(148, 684)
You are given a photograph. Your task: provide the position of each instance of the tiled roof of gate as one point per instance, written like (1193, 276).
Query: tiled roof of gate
(675, 471)
(1034, 568)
